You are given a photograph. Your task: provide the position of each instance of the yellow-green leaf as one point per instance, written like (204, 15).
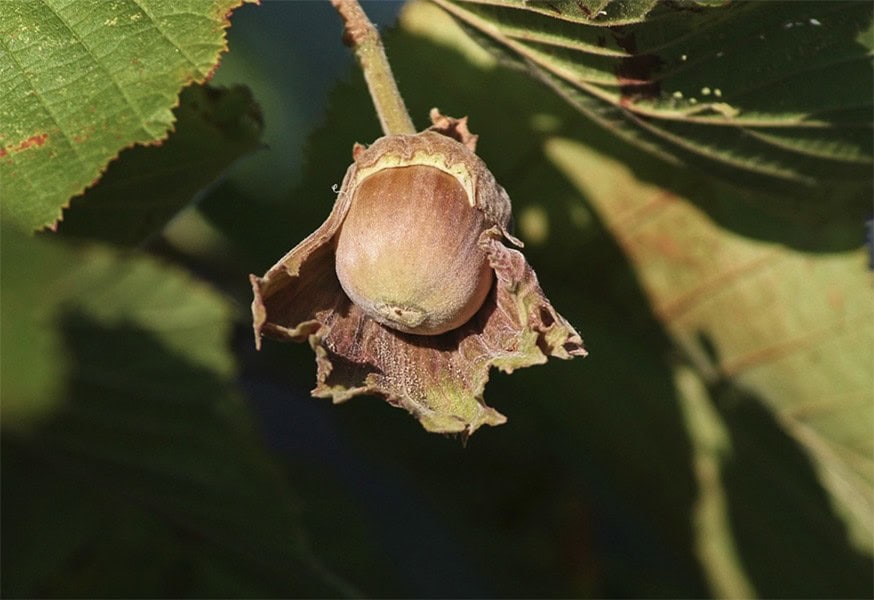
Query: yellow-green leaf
(794, 328)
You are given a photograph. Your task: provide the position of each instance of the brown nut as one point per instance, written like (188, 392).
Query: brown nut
(408, 252)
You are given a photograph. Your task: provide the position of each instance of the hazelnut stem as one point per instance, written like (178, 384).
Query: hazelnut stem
(362, 36)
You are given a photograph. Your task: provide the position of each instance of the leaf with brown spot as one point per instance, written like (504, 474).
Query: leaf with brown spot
(83, 80)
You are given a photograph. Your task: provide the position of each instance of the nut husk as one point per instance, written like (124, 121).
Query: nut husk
(324, 292)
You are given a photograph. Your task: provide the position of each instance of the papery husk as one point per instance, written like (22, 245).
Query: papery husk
(439, 378)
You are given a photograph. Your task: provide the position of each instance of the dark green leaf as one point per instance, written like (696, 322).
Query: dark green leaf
(776, 92)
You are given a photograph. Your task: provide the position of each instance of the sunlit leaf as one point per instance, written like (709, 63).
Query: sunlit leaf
(797, 329)
(82, 80)
(44, 280)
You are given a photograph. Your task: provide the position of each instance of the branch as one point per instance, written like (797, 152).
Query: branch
(362, 37)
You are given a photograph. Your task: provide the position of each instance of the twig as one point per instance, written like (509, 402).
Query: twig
(362, 36)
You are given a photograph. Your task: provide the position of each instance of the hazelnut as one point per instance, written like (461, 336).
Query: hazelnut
(408, 254)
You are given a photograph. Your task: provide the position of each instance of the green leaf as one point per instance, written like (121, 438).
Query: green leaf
(602, 12)
(83, 80)
(145, 187)
(33, 359)
(136, 472)
(778, 93)
(795, 329)
(806, 308)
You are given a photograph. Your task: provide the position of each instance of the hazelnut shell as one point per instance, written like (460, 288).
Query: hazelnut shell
(408, 253)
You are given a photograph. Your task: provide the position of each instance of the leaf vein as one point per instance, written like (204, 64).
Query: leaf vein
(167, 37)
(101, 65)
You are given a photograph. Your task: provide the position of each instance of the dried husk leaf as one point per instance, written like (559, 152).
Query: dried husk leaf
(438, 378)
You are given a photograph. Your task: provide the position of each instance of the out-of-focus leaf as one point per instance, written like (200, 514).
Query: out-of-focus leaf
(778, 93)
(139, 445)
(42, 280)
(32, 359)
(146, 186)
(796, 329)
(712, 448)
(82, 80)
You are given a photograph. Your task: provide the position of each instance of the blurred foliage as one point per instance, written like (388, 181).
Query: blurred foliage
(661, 465)
(138, 470)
